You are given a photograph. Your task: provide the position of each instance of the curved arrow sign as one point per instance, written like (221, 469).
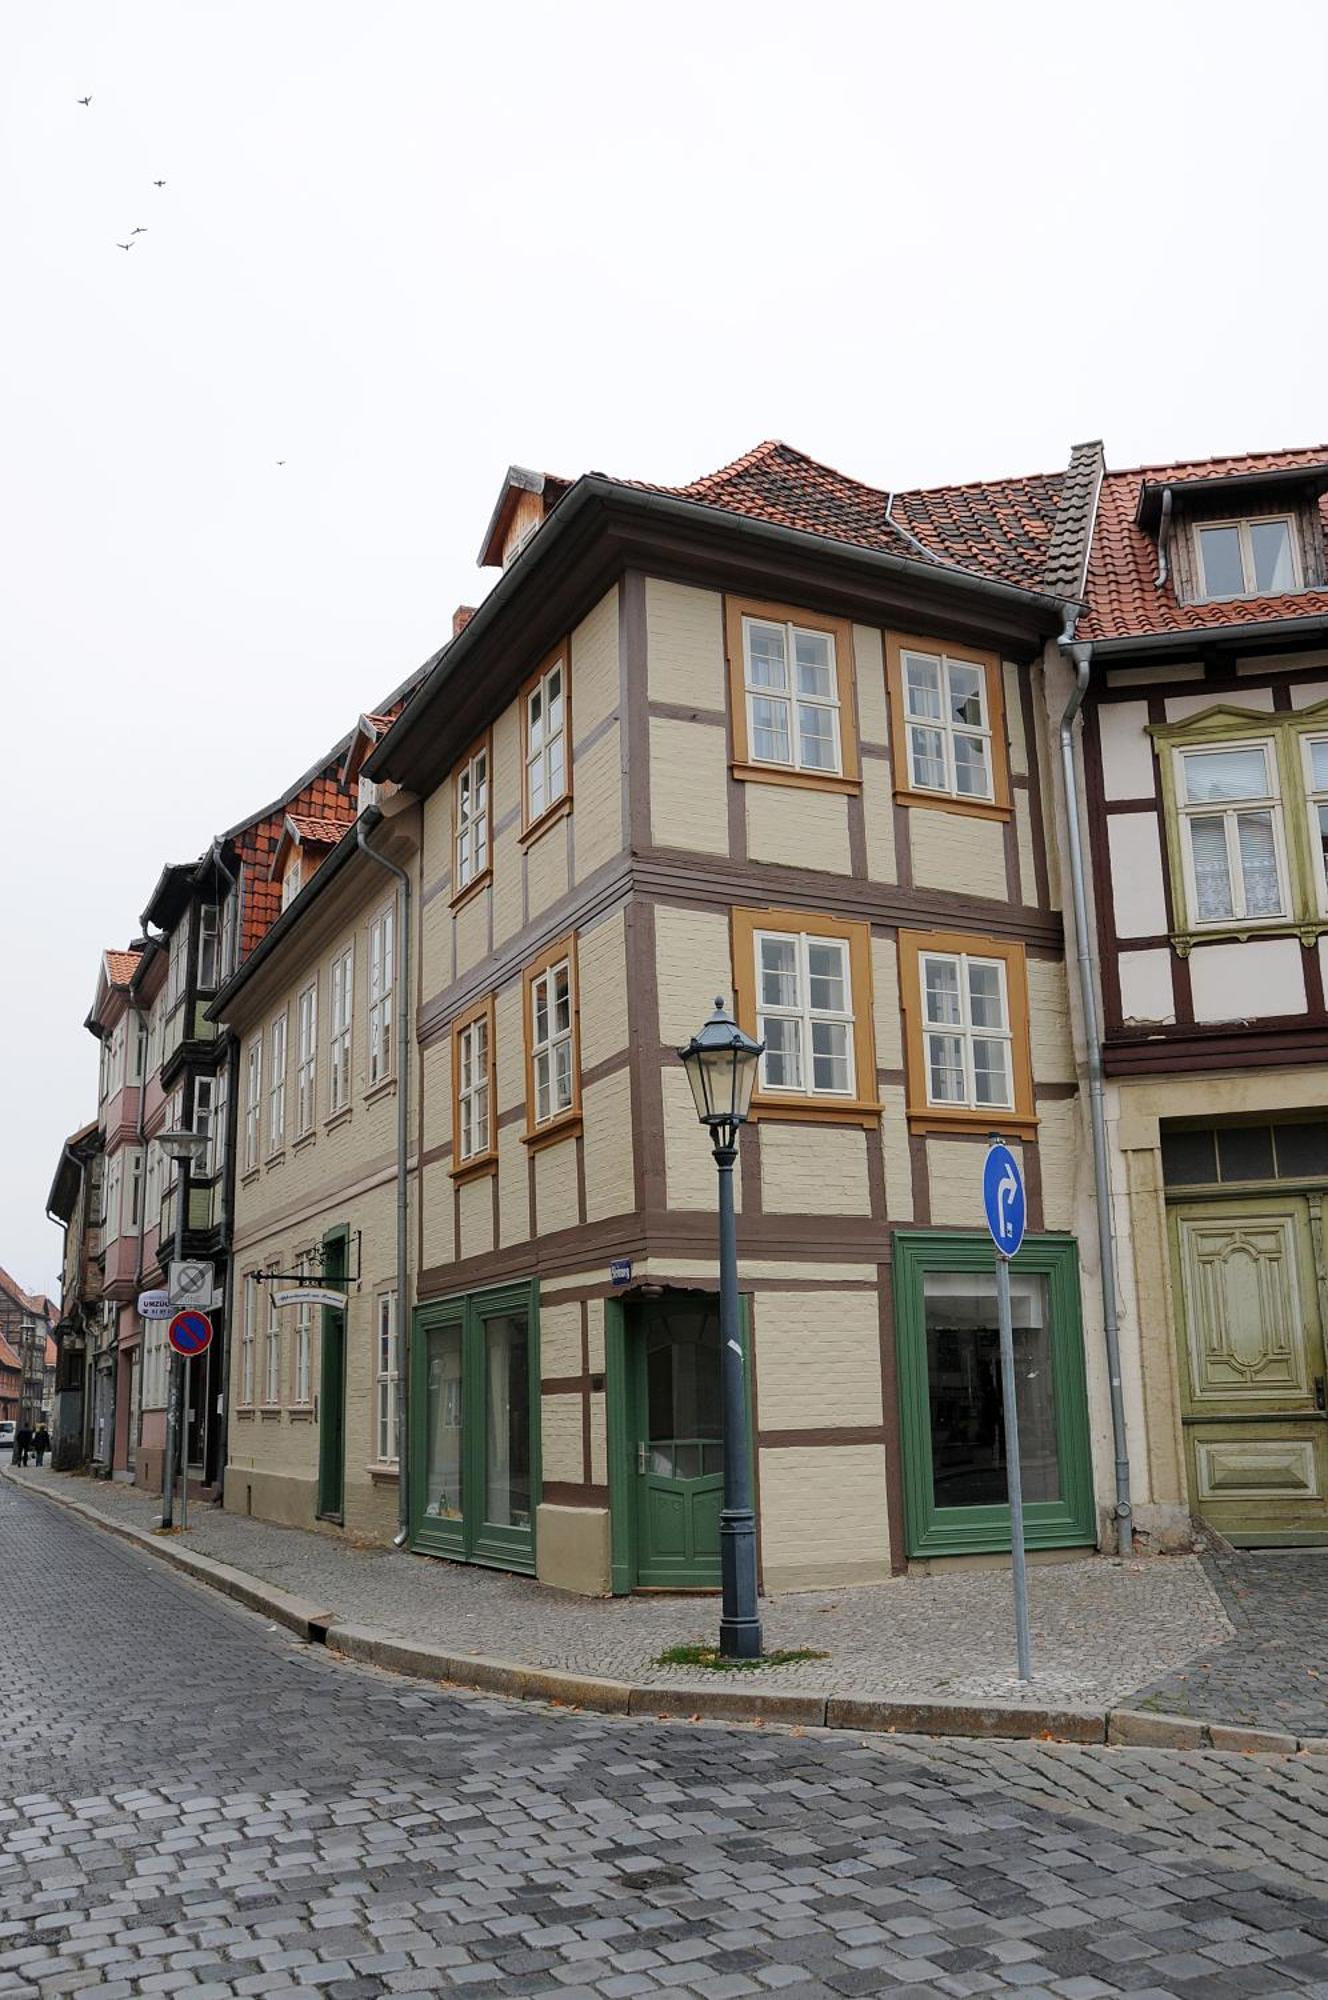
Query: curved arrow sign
(1003, 1199)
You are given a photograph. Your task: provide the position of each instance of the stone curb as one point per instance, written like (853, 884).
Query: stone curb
(1118, 1727)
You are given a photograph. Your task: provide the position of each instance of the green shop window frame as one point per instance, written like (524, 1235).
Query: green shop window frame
(1284, 732)
(472, 1538)
(1069, 1522)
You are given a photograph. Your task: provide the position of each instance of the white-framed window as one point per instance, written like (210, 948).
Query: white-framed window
(290, 881)
(103, 1070)
(111, 1209)
(272, 1350)
(306, 1060)
(551, 1040)
(131, 1223)
(948, 721)
(304, 1312)
(366, 794)
(221, 1089)
(140, 1049)
(473, 1089)
(1314, 752)
(382, 992)
(804, 998)
(385, 1377)
(546, 747)
(152, 1193)
(966, 1038)
(472, 818)
(209, 953)
(276, 1087)
(176, 964)
(205, 1123)
(247, 1338)
(340, 1004)
(253, 1102)
(792, 689)
(1231, 833)
(153, 1058)
(1247, 558)
(226, 945)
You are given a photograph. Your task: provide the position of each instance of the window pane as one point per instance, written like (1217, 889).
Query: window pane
(828, 976)
(770, 730)
(543, 1107)
(991, 1072)
(1302, 1150)
(783, 1054)
(964, 1389)
(766, 661)
(1212, 875)
(1319, 764)
(965, 694)
(779, 972)
(507, 1425)
(557, 785)
(562, 1075)
(830, 1056)
(443, 1414)
(945, 1069)
(538, 797)
(1225, 774)
(562, 1000)
(926, 749)
(1188, 1159)
(818, 746)
(940, 988)
(1245, 1153)
(971, 777)
(536, 718)
(1270, 545)
(553, 702)
(1258, 862)
(922, 686)
(986, 1001)
(815, 665)
(1223, 575)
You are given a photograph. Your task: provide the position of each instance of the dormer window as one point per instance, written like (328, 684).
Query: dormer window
(1248, 558)
(290, 882)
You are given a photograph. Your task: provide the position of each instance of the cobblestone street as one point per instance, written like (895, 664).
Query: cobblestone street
(197, 1804)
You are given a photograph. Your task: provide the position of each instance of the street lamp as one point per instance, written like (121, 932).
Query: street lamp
(721, 1068)
(187, 1150)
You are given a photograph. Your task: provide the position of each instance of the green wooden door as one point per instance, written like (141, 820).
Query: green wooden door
(332, 1389)
(1248, 1276)
(676, 1445)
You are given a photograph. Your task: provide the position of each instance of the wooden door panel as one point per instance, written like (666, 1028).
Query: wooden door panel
(1247, 1311)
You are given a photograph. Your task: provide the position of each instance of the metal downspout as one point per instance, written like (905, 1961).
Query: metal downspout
(368, 820)
(1082, 656)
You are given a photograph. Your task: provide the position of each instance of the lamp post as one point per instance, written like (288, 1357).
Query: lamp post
(187, 1150)
(721, 1067)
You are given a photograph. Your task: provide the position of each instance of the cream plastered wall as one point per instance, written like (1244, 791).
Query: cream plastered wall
(823, 1516)
(272, 1469)
(531, 877)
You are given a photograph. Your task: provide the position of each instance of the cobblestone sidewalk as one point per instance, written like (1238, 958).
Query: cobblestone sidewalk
(1101, 1628)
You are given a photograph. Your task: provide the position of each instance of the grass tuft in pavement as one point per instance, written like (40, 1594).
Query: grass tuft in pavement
(710, 1656)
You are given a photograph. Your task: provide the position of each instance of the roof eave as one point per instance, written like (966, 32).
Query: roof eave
(1191, 638)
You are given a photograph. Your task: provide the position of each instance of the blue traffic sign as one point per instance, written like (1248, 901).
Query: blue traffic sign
(189, 1332)
(1003, 1199)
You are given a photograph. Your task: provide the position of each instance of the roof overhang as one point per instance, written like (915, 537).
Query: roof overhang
(520, 479)
(602, 528)
(1239, 486)
(1264, 634)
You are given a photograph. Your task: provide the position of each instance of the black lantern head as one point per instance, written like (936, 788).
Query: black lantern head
(721, 1068)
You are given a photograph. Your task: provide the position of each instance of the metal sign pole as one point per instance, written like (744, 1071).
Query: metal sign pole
(1012, 1470)
(186, 1368)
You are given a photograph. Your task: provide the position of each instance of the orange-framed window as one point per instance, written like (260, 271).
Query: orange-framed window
(546, 740)
(553, 1043)
(947, 720)
(967, 1059)
(472, 824)
(792, 696)
(474, 1109)
(803, 986)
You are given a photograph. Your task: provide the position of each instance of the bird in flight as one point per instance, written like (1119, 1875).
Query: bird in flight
(125, 246)
(281, 461)
(85, 100)
(158, 184)
(141, 230)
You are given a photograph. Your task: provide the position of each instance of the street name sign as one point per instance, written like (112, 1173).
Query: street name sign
(189, 1333)
(309, 1295)
(155, 1305)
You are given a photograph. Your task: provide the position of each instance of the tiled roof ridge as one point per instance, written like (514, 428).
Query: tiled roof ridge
(978, 485)
(33, 1302)
(116, 960)
(304, 821)
(1308, 454)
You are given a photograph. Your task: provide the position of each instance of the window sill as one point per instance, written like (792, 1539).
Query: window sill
(383, 1475)
(305, 1140)
(805, 781)
(1308, 930)
(249, 1176)
(386, 1086)
(270, 1413)
(301, 1413)
(566, 1127)
(276, 1159)
(559, 810)
(814, 1111)
(949, 802)
(472, 889)
(474, 1170)
(335, 1119)
(246, 1414)
(1009, 1124)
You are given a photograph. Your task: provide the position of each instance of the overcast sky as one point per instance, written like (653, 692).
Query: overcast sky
(401, 245)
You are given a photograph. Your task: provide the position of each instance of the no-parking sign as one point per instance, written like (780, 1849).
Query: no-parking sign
(190, 1333)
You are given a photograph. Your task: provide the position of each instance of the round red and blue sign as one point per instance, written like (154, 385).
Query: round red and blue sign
(189, 1332)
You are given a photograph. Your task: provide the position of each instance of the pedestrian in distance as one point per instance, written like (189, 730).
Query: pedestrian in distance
(22, 1444)
(41, 1443)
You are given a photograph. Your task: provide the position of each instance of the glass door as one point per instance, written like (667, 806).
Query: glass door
(678, 1442)
(475, 1440)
